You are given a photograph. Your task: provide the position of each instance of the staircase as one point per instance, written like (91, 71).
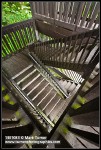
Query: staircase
(50, 79)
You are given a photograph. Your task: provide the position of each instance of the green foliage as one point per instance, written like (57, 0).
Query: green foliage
(63, 129)
(68, 120)
(81, 100)
(13, 12)
(75, 106)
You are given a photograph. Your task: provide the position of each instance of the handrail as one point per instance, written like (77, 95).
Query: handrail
(17, 36)
(15, 24)
(48, 75)
(72, 52)
(27, 101)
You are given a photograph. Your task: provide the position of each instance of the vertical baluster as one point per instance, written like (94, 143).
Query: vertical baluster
(36, 49)
(64, 50)
(90, 49)
(50, 9)
(97, 21)
(40, 52)
(5, 40)
(15, 41)
(91, 10)
(60, 10)
(61, 49)
(69, 47)
(9, 42)
(12, 41)
(54, 51)
(41, 8)
(47, 51)
(74, 13)
(88, 4)
(34, 6)
(66, 17)
(35, 32)
(4, 49)
(79, 13)
(19, 37)
(45, 54)
(51, 50)
(30, 33)
(74, 45)
(22, 36)
(57, 50)
(3, 54)
(46, 9)
(50, 45)
(78, 50)
(55, 10)
(86, 44)
(96, 53)
(96, 10)
(37, 6)
(15, 33)
(70, 12)
(24, 27)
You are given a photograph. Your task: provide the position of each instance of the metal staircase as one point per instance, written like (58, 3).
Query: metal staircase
(50, 80)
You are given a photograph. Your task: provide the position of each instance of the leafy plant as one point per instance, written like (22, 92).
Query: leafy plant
(13, 12)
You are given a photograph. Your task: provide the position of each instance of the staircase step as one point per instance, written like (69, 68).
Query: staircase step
(46, 100)
(72, 140)
(57, 107)
(28, 81)
(84, 128)
(89, 145)
(45, 97)
(51, 105)
(16, 64)
(38, 90)
(34, 84)
(22, 71)
(25, 75)
(72, 87)
(68, 85)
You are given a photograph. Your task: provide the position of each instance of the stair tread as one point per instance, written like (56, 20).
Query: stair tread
(56, 110)
(25, 83)
(24, 74)
(15, 64)
(88, 144)
(38, 89)
(33, 84)
(72, 140)
(47, 99)
(51, 104)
